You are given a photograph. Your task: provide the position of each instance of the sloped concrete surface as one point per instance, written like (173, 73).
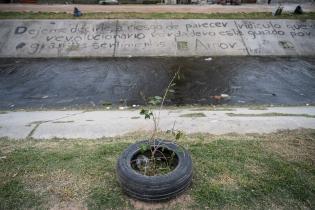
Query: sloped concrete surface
(90, 83)
(132, 38)
(96, 124)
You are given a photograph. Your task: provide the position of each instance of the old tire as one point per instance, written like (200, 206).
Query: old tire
(154, 188)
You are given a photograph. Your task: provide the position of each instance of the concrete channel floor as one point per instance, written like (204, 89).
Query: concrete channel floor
(214, 8)
(96, 124)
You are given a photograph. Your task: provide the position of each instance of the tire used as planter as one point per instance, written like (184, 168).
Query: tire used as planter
(159, 187)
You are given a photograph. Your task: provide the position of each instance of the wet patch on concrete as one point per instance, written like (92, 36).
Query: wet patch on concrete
(90, 83)
(70, 121)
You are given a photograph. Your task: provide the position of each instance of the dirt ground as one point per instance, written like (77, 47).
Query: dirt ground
(307, 7)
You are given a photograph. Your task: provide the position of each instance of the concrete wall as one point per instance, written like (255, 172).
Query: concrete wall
(284, 1)
(124, 38)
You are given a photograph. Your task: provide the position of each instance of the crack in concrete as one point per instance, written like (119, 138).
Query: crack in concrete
(242, 38)
(116, 32)
(33, 130)
(38, 123)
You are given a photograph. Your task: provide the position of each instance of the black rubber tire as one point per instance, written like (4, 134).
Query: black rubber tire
(154, 188)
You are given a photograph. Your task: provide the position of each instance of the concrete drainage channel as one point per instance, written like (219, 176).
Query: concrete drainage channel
(38, 69)
(89, 83)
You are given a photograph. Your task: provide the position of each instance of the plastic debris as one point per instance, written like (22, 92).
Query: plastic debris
(225, 95)
(208, 59)
(218, 98)
(278, 11)
(77, 12)
(298, 10)
(142, 161)
(123, 107)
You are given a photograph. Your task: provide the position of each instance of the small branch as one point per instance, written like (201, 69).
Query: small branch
(173, 128)
(165, 94)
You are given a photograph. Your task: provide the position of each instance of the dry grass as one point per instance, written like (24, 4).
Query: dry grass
(299, 146)
(181, 202)
(271, 114)
(193, 115)
(273, 171)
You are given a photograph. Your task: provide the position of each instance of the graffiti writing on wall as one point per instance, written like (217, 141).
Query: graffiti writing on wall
(181, 37)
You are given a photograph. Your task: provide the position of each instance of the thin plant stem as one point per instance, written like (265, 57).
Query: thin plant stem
(165, 95)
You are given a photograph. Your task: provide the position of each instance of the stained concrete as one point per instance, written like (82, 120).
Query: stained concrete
(96, 124)
(89, 83)
(125, 38)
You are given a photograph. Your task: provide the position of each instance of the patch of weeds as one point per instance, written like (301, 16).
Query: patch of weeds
(223, 109)
(212, 109)
(134, 118)
(73, 48)
(257, 108)
(271, 114)
(107, 103)
(13, 195)
(106, 197)
(70, 121)
(225, 180)
(273, 171)
(198, 114)
(297, 146)
(3, 112)
(66, 172)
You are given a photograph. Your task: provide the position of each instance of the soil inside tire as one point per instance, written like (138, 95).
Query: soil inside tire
(154, 161)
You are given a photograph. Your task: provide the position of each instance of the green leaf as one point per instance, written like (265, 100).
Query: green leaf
(178, 135)
(144, 148)
(106, 103)
(143, 111)
(147, 113)
(152, 102)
